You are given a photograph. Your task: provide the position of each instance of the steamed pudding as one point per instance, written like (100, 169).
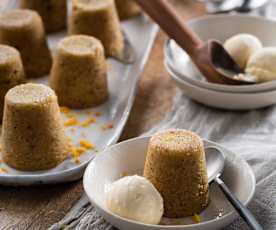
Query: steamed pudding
(33, 137)
(175, 165)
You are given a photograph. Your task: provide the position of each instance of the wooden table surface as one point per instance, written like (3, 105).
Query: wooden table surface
(40, 207)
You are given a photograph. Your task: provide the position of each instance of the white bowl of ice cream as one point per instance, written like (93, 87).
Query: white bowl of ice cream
(248, 52)
(127, 158)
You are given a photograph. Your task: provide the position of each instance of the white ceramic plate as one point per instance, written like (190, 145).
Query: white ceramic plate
(225, 100)
(122, 81)
(221, 27)
(128, 157)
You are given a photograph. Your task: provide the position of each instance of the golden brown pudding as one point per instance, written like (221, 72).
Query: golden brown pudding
(52, 12)
(176, 166)
(23, 29)
(33, 137)
(127, 9)
(79, 73)
(99, 19)
(11, 72)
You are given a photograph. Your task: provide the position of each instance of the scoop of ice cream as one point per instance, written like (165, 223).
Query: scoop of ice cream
(241, 47)
(135, 198)
(262, 65)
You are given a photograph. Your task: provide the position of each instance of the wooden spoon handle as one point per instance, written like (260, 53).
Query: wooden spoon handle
(165, 16)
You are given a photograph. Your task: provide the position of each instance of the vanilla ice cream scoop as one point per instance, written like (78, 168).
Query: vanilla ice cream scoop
(241, 47)
(262, 65)
(135, 198)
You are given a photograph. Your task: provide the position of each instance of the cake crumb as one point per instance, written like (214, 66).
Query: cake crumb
(196, 218)
(80, 150)
(2, 170)
(124, 174)
(64, 109)
(77, 160)
(86, 144)
(107, 126)
(71, 122)
(98, 114)
(73, 130)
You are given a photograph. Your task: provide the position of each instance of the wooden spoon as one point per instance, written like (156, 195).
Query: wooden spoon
(211, 58)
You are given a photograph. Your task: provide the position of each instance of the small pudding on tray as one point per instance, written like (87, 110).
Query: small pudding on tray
(33, 137)
(127, 9)
(98, 19)
(23, 29)
(175, 165)
(52, 12)
(11, 72)
(79, 73)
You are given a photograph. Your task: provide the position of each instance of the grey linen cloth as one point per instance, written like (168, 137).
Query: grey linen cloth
(251, 134)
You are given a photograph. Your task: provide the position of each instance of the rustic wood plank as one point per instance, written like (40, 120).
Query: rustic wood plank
(40, 207)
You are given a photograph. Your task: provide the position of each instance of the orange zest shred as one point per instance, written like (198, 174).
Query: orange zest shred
(71, 122)
(86, 144)
(73, 130)
(2, 170)
(196, 218)
(88, 122)
(98, 114)
(107, 126)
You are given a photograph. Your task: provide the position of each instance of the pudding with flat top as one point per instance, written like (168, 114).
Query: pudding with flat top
(98, 18)
(11, 72)
(79, 73)
(175, 165)
(23, 30)
(33, 137)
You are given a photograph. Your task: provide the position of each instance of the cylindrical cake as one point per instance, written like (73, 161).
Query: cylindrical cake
(11, 72)
(33, 137)
(127, 9)
(52, 12)
(23, 29)
(175, 164)
(79, 73)
(100, 20)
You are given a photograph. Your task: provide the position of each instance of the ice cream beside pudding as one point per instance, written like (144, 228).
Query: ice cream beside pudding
(262, 65)
(135, 198)
(33, 137)
(79, 73)
(175, 165)
(241, 47)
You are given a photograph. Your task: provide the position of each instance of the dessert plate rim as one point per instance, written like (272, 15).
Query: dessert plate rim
(227, 218)
(170, 48)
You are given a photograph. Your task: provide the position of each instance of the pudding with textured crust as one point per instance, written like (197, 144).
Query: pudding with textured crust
(52, 12)
(175, 165)
(23, 29)
(79, 73)
(33, 137)
(127, 9)
(98, 18)
(11, 72)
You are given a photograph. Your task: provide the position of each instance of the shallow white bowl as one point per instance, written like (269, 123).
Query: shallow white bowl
(225, 100)
(221, 27)
(129, 157)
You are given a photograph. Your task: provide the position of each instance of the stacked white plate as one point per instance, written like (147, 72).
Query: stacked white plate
(194, 85)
